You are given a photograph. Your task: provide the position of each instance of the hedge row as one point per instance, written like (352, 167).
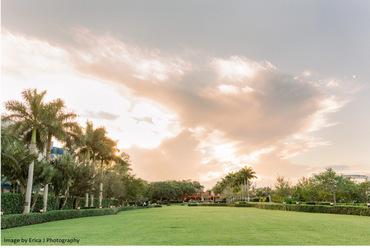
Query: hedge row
(349, 210)
(344, 209)
(221, 205)
(13, 203)
(17, 220)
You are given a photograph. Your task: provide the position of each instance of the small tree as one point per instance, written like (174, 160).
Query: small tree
(227, 193)
(283, 187)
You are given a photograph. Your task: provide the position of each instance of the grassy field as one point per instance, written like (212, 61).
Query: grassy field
(182, 225)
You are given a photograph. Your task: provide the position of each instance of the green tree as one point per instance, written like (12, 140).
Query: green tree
(283, 187)
(60, 124)
(28, 115)
(331, 183)
(93, 143)
(62, 180)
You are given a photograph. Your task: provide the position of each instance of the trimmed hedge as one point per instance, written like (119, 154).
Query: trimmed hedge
(12, 203)
(344, 209)
(349, 210)
(17, 220)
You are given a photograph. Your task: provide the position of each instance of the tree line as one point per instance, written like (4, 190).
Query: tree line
(93, 158)
(326, 186)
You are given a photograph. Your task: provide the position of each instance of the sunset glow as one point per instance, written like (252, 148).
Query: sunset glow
(202, 107)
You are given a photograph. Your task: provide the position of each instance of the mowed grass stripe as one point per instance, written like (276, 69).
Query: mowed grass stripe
(181, 225)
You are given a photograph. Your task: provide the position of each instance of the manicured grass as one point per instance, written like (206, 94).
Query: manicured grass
(182, 225)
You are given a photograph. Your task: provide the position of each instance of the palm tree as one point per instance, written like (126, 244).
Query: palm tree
(15, 160)
(60, 124)
(244, 175)
(62, 180)
(93, 140)
(106, 155)
(28, 116)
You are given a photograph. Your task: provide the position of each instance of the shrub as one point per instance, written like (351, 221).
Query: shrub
(157, 206)
(192, 204)
(256, 199)
(12, 203)
(276, 198)
(17, 220)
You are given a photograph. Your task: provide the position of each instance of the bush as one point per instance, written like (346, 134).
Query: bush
(192, 205)
(276, 198)
(264, 199)
(350, 210)
(157, 206)
(12, 203)
(17, 220)
(256, 199)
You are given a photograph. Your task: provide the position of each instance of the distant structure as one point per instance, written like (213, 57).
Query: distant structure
(365, 177)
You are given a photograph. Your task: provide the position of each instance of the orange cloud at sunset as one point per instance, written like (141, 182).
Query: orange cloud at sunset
(207, 116)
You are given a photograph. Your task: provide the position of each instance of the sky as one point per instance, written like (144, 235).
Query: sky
(198, 89)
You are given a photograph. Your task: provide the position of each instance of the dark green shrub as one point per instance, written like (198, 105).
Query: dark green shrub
(12, 203)
(256, 199)
(192, 205)
(16, 220)
(40, 202)
(157, 206)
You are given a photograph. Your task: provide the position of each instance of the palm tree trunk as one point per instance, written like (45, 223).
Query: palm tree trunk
(57, 202)
(46, 187)
(92, 183)
(45, 197)
(65, 200)
(35, 199)
(87, 194)
(27, 201)
(101, 185)
(77, 201)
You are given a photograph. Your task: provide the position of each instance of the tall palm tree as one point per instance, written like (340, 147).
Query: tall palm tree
(93, 143)
(244, 175)
(27, 116)
(59, 124)
(106, 155)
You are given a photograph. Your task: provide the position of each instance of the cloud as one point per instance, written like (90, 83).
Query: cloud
(101, 115)
(253, 108)
(228, 112)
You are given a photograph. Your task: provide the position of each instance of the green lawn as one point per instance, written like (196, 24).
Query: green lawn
(182, 225)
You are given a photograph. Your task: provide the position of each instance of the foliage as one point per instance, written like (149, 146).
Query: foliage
(283, 187)
(227, 193)
(17, 220)
(168, 190)
(12, 203)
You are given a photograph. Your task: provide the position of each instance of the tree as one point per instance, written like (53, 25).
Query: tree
(227, 193)
(15, 162)
(243, 176)
(331, 183)
(283, 187)
(93, 140)
(28, 115)
(63, 178)
(106, 154)
(60, 125)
